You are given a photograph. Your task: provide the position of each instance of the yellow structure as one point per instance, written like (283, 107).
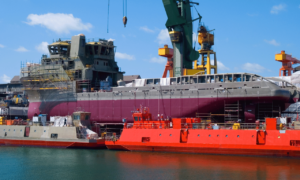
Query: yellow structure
(206, 40)
(189, 72)
(236, 126)
(1, 120)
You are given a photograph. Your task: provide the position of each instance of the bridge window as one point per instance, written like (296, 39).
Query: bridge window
(96, 48)
(63, 50)
(136, 118)
(53, 50)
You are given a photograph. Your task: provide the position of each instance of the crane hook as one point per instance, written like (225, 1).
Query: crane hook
(124, 21)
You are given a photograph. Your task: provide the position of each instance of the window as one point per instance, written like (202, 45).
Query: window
(54, 136)
(135, 118)
(53, 50)
(76, 117)
(63, 50)
(96, 48)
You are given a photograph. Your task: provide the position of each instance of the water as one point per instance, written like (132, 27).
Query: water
(41, 163)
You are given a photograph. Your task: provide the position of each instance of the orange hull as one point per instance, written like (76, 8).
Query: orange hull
(233, 142)
(53, 144)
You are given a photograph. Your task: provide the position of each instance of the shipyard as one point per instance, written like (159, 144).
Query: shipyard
(151, 91)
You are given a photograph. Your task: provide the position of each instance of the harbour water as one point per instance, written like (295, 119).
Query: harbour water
(42, 163)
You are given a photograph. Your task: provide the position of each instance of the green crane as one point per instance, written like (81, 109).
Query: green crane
(180, 27)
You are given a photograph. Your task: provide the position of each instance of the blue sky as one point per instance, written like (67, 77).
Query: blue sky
(247, 36)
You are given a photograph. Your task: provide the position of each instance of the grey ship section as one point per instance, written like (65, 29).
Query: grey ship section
(76, 76)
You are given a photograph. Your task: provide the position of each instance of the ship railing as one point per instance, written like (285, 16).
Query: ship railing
(169, 125)
(228, 126)
(112, 136)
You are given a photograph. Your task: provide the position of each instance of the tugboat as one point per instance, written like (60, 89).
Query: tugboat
(277, 137)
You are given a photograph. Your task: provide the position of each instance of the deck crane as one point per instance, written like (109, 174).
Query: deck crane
(180, 28)
(287, 62)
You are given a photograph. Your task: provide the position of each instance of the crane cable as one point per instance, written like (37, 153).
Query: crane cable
(108, 17)
(198, 28)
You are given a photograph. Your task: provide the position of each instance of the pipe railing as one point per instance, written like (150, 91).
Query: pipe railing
(170, 125)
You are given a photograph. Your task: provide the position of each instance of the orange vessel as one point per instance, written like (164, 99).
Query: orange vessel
(190, 135)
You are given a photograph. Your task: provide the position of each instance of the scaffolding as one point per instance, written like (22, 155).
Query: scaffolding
(35, 76)
(233, 111)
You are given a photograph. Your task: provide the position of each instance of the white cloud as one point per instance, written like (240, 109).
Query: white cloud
(110, 39)
(159, 60)
(277, 8)
(146, 29)
(43, 47)
(163, 37)
(124, 56)
(21, 49)
(252, 67)
(59, 22)
(2, 46)
(5, 78)
(272, 42)
(222, 67)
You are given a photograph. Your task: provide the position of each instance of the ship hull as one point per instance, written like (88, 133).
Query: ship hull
(113, 111)
(94, 144)
(227, 142)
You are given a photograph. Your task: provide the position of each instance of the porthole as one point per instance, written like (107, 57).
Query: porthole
(21, 130)
(34, 130)
(198, 135)
(14, 130)
(9, 130)
(170, 134)
(159, 134)
(218, 135)
(238, 136)
(226, 136)
(253, 136)
(208, 135)
(44, 130)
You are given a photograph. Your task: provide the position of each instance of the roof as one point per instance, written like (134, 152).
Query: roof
(15, 79)
(129, 78)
